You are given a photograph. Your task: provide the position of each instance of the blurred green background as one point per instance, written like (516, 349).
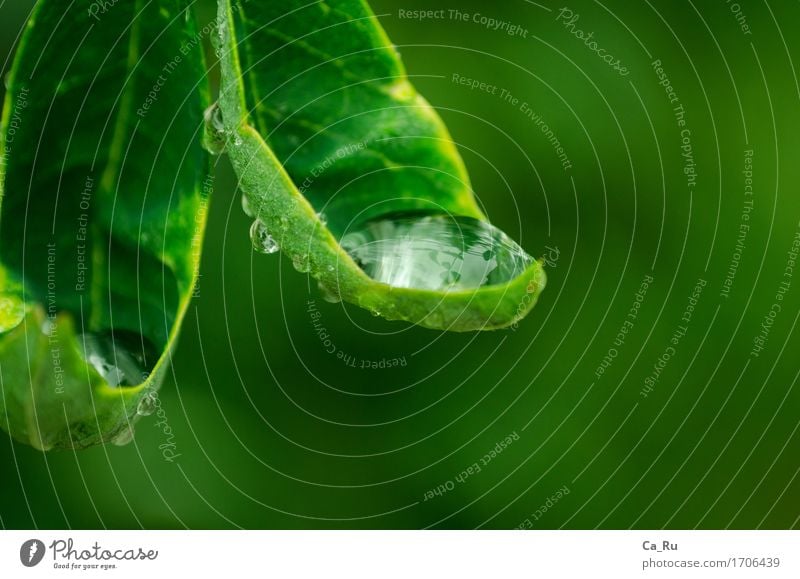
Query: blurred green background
(275, 432)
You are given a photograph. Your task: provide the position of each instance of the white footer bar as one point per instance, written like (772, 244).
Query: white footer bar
(401, 554)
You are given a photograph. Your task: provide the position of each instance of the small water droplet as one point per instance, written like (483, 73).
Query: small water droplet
(40, 444)
(284, 222)
(263, 242)
(328, 295)
(322, 218)
(125, 436)
(48, 326)
(214, 137)
(213, 115)
(148, 404)
(246, 207)
(301, 263)
(435, 251)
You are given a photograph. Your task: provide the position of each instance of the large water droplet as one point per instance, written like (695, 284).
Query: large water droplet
(148, 404)
(125, 436)
(121, 357)
(435, 252)
(263, 242)
(214, 136)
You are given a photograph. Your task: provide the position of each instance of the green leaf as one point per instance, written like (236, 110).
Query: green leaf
(104, 183)
(319, 116)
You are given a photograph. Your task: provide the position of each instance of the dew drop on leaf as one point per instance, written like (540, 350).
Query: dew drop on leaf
(214, 136)
(301, 263)
(121, 357)
(246, 207)
(435, 252)
(124, 437)
(147, 405)
(48, 326)
(213, 116)
(39, 444)
(329, 295)
(263, 242)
